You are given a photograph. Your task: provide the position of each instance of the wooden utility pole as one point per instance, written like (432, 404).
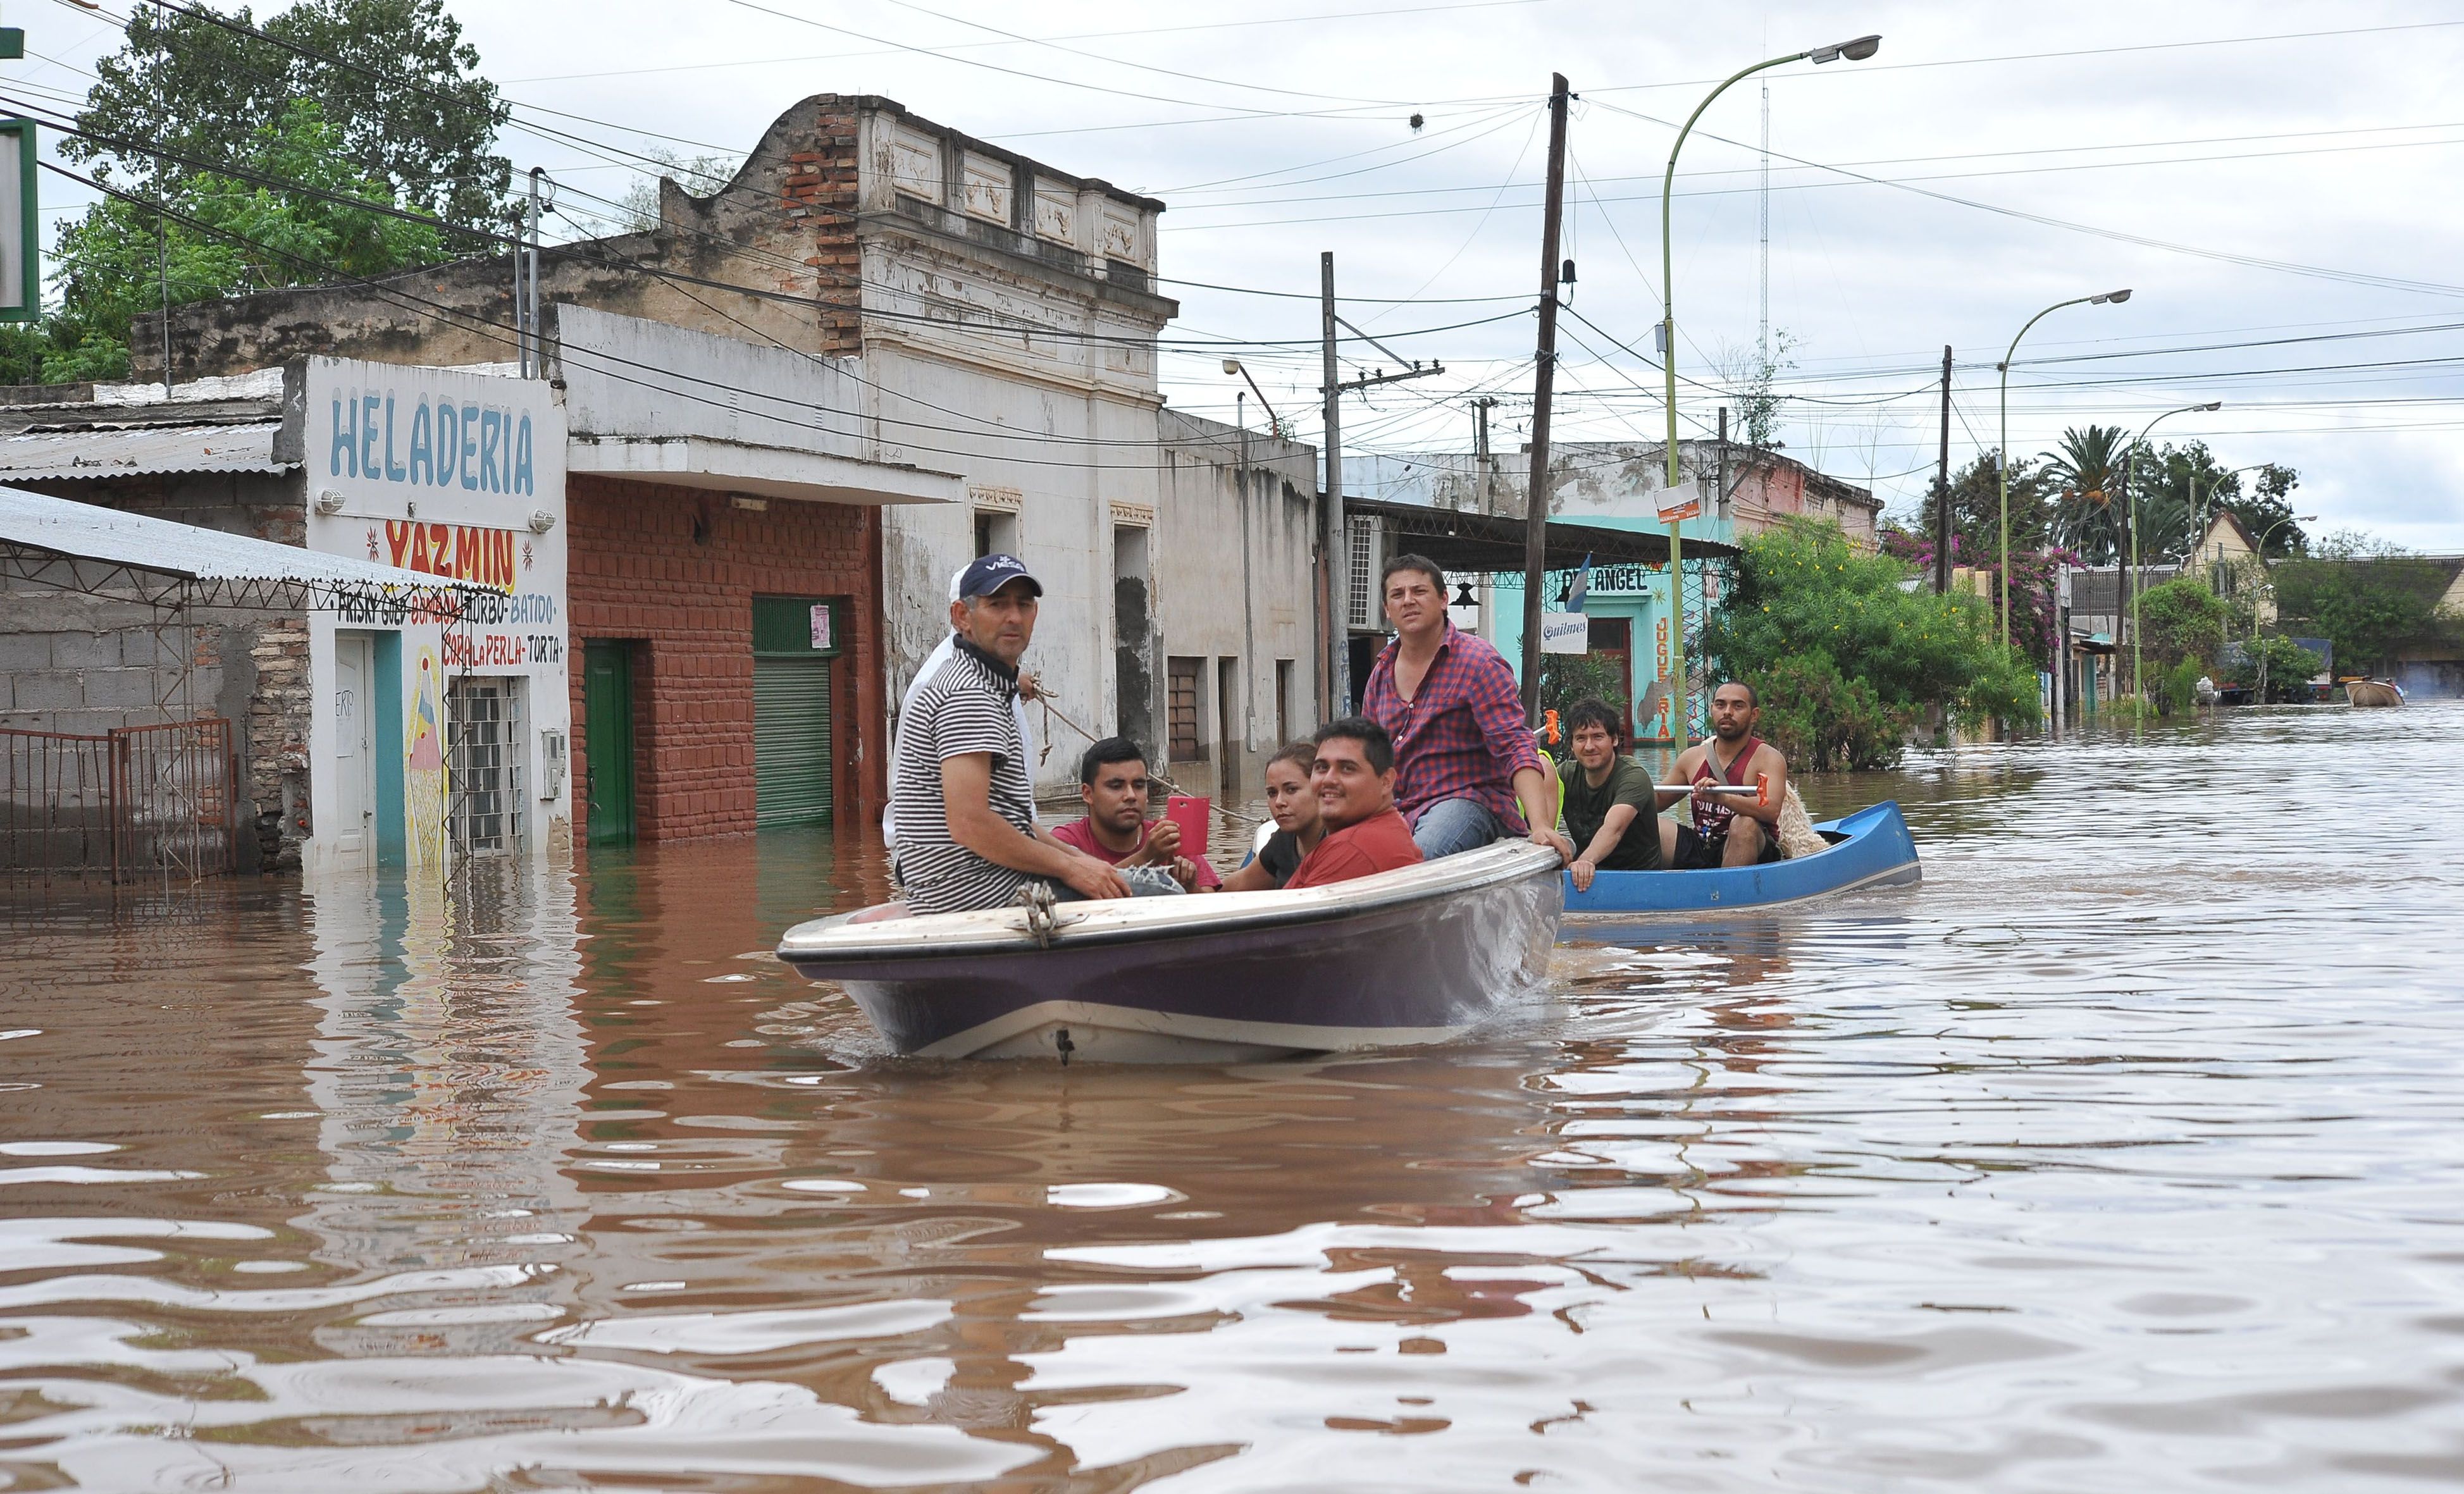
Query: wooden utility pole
(1942, 488)
(1543, 379)
(1335, 690)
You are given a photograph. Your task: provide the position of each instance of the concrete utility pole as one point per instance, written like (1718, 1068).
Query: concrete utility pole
(1336, 688)
(526, 290)
(1543, 379)
(1479, 409)
(1722, 494)
(1942, 488)
(1338, 671)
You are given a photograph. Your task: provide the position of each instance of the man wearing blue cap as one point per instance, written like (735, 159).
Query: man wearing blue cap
(958, 778)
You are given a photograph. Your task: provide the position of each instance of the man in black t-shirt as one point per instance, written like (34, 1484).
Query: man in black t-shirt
(1612, 810)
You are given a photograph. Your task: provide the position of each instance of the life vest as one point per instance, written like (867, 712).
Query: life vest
(1711, 819)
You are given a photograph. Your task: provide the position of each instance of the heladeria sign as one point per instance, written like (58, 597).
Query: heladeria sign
(456, 475)
(421, 438)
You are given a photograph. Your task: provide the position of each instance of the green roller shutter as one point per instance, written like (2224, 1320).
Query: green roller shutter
(791, 741)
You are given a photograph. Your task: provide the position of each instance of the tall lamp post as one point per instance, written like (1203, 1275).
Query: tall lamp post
(2264, 587)
(2002, 453)
(2130, 458)
(1854, 50)
(2198, 515)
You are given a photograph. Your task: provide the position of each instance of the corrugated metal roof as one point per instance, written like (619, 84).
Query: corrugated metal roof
(84, 531)
(140, 451)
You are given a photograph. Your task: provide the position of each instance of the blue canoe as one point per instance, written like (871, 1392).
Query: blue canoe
(1871, 847)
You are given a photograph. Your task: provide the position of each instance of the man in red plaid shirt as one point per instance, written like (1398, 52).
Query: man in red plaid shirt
(1467, 771)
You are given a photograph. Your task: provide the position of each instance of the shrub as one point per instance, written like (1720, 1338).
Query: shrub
(2179, 689)
(1823, 720)
(1847, 658)
(2181, 620)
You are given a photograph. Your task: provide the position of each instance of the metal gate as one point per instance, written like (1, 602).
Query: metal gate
(484, 747)
(791, 741)
(139, 802)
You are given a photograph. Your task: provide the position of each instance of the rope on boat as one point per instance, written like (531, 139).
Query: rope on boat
(1170, 787)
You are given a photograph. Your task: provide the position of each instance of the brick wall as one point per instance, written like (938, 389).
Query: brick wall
(87, 665)
(818, 191)
(676, 570)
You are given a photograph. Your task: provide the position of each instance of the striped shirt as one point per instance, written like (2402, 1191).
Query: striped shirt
(967, 707)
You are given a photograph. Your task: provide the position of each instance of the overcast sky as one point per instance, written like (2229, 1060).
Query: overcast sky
(2256, 173)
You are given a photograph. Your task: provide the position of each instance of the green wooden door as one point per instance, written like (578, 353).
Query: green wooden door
(794, 641)
(607, 740)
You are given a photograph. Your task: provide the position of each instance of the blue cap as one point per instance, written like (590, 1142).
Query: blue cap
(991, 573)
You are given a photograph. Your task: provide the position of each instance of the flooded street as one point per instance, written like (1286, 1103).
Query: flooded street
(2125, 1153)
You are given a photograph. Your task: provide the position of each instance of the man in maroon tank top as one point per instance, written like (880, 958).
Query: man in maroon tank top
(1730, 830)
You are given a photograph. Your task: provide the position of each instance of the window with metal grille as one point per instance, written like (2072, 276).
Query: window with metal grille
(484, 746)
(1180, 709)
(1360, 558)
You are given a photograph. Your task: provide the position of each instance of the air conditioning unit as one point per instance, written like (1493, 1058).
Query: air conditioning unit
(1362, 560)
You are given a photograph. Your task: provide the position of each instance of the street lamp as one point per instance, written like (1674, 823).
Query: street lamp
(2264, 588)
(2002, 455)
(1234, 365)
(2129, 457)
(1856, 49)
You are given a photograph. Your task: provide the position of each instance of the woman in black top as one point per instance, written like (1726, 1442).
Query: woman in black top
(1292, 800)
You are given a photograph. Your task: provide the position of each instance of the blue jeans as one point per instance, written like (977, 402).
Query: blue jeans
(1451, 826)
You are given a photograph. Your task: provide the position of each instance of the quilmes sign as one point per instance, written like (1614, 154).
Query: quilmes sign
(419, 438)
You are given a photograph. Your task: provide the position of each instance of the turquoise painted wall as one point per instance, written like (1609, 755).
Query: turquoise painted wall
(385, 741)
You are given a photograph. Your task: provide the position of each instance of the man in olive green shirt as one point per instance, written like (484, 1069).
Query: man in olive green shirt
(1612, 809)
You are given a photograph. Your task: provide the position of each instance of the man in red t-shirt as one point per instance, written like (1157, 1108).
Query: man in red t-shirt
(1113, 785)
(1355, 776)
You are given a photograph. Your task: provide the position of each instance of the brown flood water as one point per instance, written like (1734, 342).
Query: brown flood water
(2127, 1152)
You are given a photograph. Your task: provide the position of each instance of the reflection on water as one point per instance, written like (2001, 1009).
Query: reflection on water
(2121, 1153)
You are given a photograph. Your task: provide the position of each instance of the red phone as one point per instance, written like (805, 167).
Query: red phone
(1189, 812)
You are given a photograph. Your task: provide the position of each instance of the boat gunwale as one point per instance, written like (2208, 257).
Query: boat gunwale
(1137, 920)
(1876, 816)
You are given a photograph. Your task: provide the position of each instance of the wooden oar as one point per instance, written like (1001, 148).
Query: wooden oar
(1760, 788)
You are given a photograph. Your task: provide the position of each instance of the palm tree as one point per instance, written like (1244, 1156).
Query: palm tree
(2086, 475)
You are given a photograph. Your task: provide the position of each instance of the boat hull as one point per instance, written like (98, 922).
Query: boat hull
(1407, 957)
(1871, 847)
(2371, 695)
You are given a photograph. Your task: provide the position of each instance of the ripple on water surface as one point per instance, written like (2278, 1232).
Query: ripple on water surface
(2121, 1153)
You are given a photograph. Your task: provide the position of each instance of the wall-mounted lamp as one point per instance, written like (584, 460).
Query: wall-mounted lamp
(541, 521)
(329, 501)
(748, 503)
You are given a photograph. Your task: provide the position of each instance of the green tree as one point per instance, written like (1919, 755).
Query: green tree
(2085, 476)
(1976, 512)
(402, 94)
(2182, 622)
(2368, 598)
(2162, 480)
(1753, 371)
(2288, 667)
(1847, 659)
(118, 258)
(1568, 677)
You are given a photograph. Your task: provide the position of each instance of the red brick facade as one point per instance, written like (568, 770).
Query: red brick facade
(674, 571)
(817, 196)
